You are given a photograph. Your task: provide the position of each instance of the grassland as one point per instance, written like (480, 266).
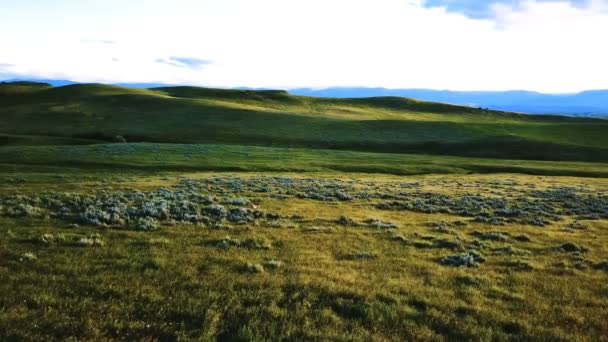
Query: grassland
(277, 119)
(339, 275)
(202, 157)
(252, 216)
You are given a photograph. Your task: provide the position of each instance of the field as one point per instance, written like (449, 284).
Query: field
(200, 214)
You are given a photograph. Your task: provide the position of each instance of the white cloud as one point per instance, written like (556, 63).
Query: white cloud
(545, 46)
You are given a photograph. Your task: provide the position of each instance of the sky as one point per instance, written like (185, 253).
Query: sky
(553, 46)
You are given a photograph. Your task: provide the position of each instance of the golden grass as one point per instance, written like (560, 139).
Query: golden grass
(173, 283)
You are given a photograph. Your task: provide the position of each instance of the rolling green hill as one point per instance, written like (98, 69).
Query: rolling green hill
(36, 114)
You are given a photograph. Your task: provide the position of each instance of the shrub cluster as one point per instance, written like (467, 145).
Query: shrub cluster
(539, 209)
(470, 258)
(134, 209)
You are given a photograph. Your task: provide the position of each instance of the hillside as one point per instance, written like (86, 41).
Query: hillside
(94, 113)
(590, 103)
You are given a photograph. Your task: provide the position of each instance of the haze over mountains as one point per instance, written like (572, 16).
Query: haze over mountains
(591, 103)
(587, 103)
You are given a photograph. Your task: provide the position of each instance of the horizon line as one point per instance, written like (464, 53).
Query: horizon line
(162, 84)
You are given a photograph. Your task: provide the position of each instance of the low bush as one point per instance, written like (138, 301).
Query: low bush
(602, 265)
(345, 221)
(28, 257)
(24, 210)
(377, 224)
(491, 236)
(249, 243)
(468, 259)
(93, 240)
(146, 224)
(398, 237)
(253, 268)
(273, 264)
(362, 255)
(571, 247)
(237, 201)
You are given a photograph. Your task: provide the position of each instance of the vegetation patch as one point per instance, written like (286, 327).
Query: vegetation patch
(571, 247)
(248, 243)
(28, 257)
(362, 255)
(253, 268)
(285, 256)
(470, 258)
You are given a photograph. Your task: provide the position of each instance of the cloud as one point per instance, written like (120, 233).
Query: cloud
(542, 45)
(97, 41)
(471, 8)
(481, 9)
(184, 62)
(6, 71)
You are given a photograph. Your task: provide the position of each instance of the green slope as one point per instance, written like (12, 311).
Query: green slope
(200, 157)
(93, 112)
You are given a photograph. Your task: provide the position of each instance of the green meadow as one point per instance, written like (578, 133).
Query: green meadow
(174, 214)
(185, 115)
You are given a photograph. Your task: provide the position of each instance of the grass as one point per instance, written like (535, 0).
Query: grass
(176, 283)
(258, 215)
(179, 157)
(278, 119)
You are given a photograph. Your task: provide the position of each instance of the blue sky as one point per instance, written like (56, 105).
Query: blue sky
(483, 9)
(542, 45)
(470, 8)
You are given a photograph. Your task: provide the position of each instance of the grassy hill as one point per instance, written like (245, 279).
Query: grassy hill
(93, 113)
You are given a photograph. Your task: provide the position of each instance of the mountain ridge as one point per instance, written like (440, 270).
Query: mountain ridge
(585, 103)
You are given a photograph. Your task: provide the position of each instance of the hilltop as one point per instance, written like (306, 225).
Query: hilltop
(589, 103)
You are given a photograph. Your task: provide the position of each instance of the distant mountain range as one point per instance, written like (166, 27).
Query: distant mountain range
(592, 103)
(54, 83)
(61, 83)
(587, 103)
